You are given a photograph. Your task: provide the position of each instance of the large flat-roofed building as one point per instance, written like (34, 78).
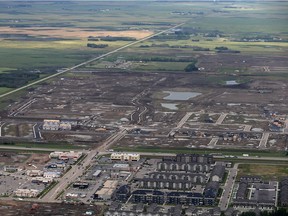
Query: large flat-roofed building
(107, 191)
(104, 194)
(251, 195)
(51, 174)
(43, 180)
(66, 155)
(10, 168)
(125, 156)
(34, 173)
(26, 192)
(110, 184)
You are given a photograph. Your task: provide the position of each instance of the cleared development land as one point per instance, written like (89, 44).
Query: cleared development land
(158, 79)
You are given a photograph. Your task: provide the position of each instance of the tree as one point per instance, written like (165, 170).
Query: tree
(248, 214)
(191, 67)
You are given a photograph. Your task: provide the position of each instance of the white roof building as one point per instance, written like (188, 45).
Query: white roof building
(51, 174)
(125, 156)
(66, 155)
(34, 173)
(26, 192)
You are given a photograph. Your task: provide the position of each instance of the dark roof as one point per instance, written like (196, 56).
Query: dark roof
(139, 207)
(251, 178)
(176, 210)
(114, 206)
(124, 189)
(152, 192)
(242, 189)
(211, 190)
(218, 170)
(186, 194)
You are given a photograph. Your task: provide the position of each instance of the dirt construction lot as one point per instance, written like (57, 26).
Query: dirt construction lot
(157, 103)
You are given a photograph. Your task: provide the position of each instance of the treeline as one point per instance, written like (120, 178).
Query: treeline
(194, 48)
(111, 39)
(158, 59)
(223, 49)
(16, 79)
(172, 37)
(101, 46)
(145, 23)
(191, 67)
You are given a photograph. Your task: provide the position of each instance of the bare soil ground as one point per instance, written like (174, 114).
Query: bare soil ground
(73, 32)
(13, 158)
(38, 159)
(103, 102)
(11, 208)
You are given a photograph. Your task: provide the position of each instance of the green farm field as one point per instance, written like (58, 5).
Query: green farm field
(264, 170)
(47, 36)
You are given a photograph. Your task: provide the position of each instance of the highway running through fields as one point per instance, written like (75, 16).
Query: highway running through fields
(89, 61)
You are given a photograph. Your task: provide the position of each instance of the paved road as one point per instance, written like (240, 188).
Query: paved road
(228, 188)
(78, 170)
(286, 126)
(247, 128)
(23, 107)
(213, 142)
(89, 61)
(1, 125)
(264, 140)
(36, 131)
(138, 115)
(221, 118)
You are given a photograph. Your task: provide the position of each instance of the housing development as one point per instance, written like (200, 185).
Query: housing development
(145, 109)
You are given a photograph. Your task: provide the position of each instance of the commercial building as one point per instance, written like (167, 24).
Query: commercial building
(125, 156)
(51, 174)
(97, 173)
(121, 167)
(10, 168)
(34, 173)
(104, 194)
(72, 196)
(81, 185)
(107, 191)
(43, 180)
(66, 155)
(26, 192)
